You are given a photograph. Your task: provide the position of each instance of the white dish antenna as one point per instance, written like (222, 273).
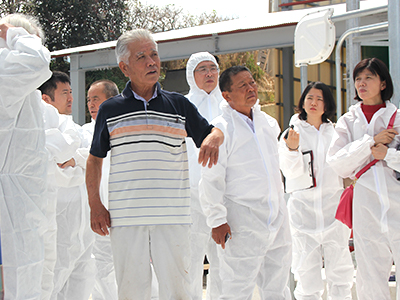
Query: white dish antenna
(314, 38)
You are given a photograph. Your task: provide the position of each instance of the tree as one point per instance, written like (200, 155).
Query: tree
(69, 23)
(166, 18)
(14, 6)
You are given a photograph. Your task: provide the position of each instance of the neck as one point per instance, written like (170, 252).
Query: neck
(144, 91)
(249, 114)
(375, 101)
(314, 121)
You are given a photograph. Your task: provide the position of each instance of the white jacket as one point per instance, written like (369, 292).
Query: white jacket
(24, 66)
(350, 150)
(311, 210)
(209, 107)
(247, 171)
(105, 173)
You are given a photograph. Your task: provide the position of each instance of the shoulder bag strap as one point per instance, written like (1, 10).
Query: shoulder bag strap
(390, 126)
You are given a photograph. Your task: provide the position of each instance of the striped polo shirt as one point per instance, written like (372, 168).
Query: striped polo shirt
(149, 178)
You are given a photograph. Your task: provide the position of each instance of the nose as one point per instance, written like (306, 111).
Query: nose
(208, 72)
(362, 82)
(150, 62)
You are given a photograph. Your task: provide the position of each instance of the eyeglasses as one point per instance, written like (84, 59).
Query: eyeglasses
(204, 70)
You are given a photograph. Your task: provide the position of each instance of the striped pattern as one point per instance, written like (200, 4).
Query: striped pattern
(149, 178)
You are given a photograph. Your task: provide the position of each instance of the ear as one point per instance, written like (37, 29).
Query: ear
(226, 96)
(124, 68)
(383, 85)
(46, 98)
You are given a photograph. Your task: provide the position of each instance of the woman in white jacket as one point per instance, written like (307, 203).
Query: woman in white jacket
(361, 136)
(318, 239)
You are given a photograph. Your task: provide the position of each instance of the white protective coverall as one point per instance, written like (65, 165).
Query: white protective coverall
(105, 286)
(200, 237)
(24, 66)
(376, 202)
(316, 234)
(245, 190)
(74, 271)
(61, 146)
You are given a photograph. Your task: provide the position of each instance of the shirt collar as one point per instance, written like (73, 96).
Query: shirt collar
(246, 119)
(141, 98)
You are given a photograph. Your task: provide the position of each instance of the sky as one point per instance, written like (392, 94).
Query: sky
(224, 8)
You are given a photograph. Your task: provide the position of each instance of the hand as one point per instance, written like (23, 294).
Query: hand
(218, 234)
(100, 219)
(292, 141)
(385, 136)
(3, 30)
(68, 163)
(210, 148)
(379, 151)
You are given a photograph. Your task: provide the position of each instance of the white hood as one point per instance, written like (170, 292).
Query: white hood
(208, 106)
(197, 95)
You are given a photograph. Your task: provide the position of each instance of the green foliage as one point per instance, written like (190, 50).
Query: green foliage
(69, 23)
(73, 23)
(165, 18)
(11, 7)
(113, 74)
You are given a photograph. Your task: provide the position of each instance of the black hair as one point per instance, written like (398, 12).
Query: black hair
(225, 79)
(329, 102)
(50, 85)
(378, 68)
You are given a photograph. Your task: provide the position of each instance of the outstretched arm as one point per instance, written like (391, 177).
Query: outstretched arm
(209, 149)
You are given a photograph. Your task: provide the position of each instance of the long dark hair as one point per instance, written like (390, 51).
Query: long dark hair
(329, 102)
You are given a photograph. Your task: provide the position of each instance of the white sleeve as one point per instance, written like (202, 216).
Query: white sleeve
(212, 189)
(392, 159)
(346, 156)
(290, 162)
(24, 66)
(69, 177)
(81, 155)
(61, 146)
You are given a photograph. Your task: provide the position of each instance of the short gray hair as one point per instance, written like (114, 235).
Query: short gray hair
(121, 50)
(110, 89)
(29, 23)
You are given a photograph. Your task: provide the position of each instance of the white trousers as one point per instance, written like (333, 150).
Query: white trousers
(202, 244)
(310, 251)
(50, 244)
(253, 256)
(105, 286)
(167, 246)
(375, 250)
(74, 270)
(23, 223)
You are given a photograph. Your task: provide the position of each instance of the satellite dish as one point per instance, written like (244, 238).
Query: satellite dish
(314, 38)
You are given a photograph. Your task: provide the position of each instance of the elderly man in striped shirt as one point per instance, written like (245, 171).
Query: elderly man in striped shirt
(149, 191)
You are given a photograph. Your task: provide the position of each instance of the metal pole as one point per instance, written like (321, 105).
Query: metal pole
(303, 76)
(353, 51)
(338, 61)
(359, 14)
